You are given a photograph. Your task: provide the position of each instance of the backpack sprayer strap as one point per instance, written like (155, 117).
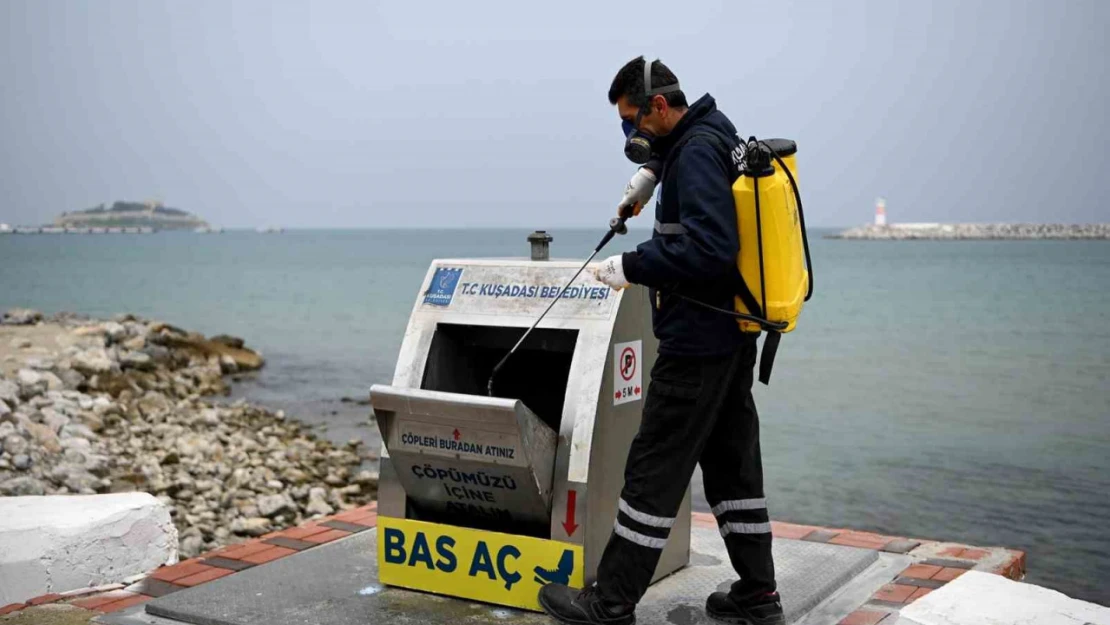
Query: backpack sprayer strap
(771, 341)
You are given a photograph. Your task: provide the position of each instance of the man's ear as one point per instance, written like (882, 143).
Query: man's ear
(659, 103)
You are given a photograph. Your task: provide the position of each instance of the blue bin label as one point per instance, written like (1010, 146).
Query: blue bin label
(442, 289)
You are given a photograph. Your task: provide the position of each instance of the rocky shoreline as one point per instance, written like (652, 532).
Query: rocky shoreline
(900, 232)
(91, 406)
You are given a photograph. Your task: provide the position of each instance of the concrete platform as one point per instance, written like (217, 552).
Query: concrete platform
(336, 584)
(59, 543)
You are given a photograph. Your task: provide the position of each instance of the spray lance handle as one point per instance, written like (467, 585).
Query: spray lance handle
(616, 226)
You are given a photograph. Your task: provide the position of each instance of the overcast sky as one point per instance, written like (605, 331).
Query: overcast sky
(336, 113)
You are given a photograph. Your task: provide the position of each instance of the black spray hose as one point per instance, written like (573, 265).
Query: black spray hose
(801, 215)
(616, 226)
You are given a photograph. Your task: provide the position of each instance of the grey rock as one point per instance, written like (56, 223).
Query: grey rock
(136, 360)
(318, 502)
(78, 430)
(54, 420)
(152, 403)
(14, 444)
(75, 478)
(230, 341)
(31, 384)
(9, 392)
(191, 546)
(256, 526)
(91, 419)
(74, 456)
(92, 361)
(247, 510)
(366, 478)
(22, 486)
(228, 365)
(96, 464)
(158, 352)
(21, 317)
(134, 343)
(273, 505)
(20, 343)
(53, 382)
(71, 378)
(4, 410)
(39, 364)
(80, 444)
(115, 331)
(45, 437)
(22, 462)
(7, 428)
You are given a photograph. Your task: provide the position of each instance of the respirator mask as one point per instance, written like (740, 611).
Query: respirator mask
(637, 143)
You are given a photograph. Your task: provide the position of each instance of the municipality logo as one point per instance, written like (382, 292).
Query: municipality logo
(442, 288)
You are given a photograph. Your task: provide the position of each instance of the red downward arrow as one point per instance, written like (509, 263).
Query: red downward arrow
(456, 434)
(569, 525)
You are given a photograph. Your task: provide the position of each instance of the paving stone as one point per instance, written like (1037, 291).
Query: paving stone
(952, 564)
(327, 536)
(155, 587)
(353, 528)
(949, 574)
(922, 571)
(920, 583)
(864, 617)
(227, 563)
(895, 593)
(269, 555)
(821, 535)
(177, 571)
(291, 543)
(901, 545)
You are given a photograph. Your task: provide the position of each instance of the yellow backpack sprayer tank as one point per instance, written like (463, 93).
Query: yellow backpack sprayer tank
(773, 261)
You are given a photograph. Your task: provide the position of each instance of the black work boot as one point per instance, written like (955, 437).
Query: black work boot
(765, 610)
(583, 607)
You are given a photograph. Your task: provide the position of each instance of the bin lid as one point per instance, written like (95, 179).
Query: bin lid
(468, 457)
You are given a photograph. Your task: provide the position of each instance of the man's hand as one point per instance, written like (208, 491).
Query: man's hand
(611, 272)
(638, 192)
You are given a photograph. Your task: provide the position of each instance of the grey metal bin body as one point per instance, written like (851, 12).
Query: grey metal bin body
(565, 410)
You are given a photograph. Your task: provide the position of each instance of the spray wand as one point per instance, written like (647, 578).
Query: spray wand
(616, 226)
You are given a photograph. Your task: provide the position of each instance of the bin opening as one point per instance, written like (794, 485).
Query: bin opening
(462, 357)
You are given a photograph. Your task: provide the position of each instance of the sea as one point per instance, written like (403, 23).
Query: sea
(956, 391)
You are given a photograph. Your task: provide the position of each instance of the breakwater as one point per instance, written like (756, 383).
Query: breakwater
(90, 406)
(937, 231)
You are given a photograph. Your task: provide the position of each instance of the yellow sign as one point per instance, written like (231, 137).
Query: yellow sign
(485, 566)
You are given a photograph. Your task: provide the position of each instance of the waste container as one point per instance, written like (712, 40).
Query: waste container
(489, 497)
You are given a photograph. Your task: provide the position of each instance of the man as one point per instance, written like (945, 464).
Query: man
(699, 406)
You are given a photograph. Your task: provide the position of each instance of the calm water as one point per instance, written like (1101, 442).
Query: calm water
(947, 390)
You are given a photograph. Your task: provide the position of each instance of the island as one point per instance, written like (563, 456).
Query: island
(144, 215)
(969, 231)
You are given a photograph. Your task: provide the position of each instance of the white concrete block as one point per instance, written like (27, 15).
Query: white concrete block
(60, 543)
(977, 598)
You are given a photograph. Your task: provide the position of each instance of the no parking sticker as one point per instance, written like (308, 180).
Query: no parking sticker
(627, 374)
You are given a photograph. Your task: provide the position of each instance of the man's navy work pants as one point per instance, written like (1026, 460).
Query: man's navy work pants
(697, 410)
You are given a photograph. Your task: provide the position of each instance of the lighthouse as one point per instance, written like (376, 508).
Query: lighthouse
(880, 212)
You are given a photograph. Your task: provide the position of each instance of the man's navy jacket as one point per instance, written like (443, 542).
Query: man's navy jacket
(695, 242)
